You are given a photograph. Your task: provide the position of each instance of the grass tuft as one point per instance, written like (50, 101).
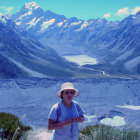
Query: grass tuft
(103, 132)
(11, 127)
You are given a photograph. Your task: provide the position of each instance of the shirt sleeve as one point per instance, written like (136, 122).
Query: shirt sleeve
(53, 113)
(80, 110)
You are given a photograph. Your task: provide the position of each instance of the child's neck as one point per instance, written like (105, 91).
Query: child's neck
(67, 104)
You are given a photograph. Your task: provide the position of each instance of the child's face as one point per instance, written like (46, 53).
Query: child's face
(68, 95)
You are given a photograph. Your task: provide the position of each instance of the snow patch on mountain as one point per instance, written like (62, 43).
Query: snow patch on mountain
(99, 20)
(18, 23)
(130, 65)
(84, 25)
(76, 23)
(34, 21)
(39, 19)
(46, 24)
(66, 24)
(26, 14)
(3, 18)
(31, 6)
(59, 24)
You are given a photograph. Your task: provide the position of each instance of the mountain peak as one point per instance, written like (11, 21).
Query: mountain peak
(31, 6)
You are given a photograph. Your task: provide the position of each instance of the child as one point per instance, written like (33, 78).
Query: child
(65, 115)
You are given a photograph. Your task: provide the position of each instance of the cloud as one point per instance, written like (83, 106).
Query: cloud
(134, 11)
(7, 10)
(123, 12)
(107, 15)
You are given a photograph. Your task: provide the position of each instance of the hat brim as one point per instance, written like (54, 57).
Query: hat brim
(75, 95)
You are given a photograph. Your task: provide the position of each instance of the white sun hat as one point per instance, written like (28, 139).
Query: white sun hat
(67, 85)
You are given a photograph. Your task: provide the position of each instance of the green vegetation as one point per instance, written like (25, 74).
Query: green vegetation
(102, 132)
(11, 128)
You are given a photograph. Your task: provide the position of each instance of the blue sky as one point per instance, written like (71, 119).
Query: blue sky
(82, 9)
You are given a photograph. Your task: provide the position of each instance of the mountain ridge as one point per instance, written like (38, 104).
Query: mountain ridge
(115, 44)
(23, 50)
(30, 58)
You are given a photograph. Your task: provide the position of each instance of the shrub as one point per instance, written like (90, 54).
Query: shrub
(12, 126)
(103, 132)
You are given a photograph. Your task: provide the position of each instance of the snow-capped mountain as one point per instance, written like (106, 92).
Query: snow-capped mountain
(115, 43)
(22, 56)
(51, 28)
(32, 18)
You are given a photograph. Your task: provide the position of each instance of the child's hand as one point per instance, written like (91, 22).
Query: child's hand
(79, 119)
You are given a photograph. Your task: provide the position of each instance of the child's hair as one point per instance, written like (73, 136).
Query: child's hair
(61, 94)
